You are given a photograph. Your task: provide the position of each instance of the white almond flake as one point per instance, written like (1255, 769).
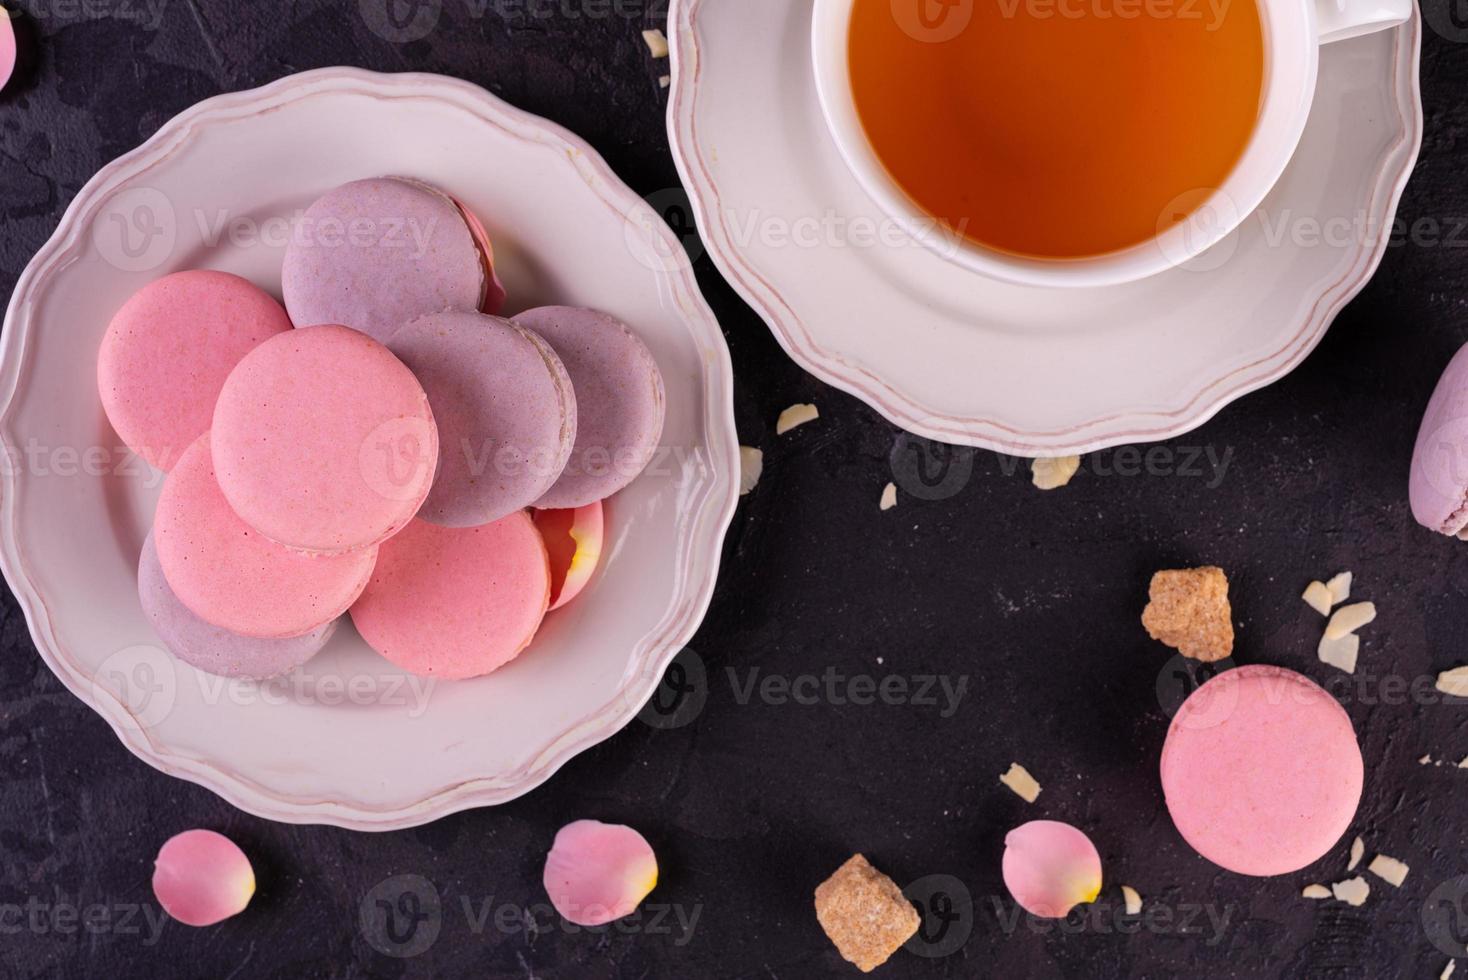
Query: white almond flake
(1358, 851)
(1389, 870)
(1317, 596)
(751, 467)
(1341, 653)
(1454, 682)
(1348, 619)
(657, 42)
(1023, 784)
(1352, 891)
(1315, 891)
(889, 496)
(1448, 970)
(1132, 898)
(1340, 588)
(664, 81)
(1426, 760)
(795, 415)
(1052, 474)
(1464, 763)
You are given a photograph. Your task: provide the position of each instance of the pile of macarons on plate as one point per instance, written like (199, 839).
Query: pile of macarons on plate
(417, 494)
(380, 446)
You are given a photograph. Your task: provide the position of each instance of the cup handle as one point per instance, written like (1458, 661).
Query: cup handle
(1342, 19)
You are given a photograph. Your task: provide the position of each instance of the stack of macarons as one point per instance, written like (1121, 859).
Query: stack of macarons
(382, 446)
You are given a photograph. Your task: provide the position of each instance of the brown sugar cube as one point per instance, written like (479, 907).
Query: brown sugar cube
(1189, 611)
(865, 914)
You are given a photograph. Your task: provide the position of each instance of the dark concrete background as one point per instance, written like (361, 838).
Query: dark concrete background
(1032, 598)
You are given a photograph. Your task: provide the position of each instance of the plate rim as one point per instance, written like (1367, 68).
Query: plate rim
(1205, 397)
(707, 523)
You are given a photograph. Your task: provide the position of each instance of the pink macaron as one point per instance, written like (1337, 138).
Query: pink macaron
(1261, 771)
(324, 441)
(456, 602)
(619, 397)
(168, 351)
(505, 410)
(374, 254)
(206, 646)
(234, 578)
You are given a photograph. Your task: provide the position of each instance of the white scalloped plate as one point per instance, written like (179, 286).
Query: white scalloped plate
(956, 357)
(348, 741)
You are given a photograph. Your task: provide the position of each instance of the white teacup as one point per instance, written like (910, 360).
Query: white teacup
(1293, 33)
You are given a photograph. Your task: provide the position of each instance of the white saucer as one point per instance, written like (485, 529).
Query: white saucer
(348, 739)
(956, 357)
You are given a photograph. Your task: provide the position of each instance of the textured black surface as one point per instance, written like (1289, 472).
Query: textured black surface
(1032, 598)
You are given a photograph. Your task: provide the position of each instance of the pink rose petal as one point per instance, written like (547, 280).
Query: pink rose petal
(7, 47)
(573, 540)
(201, 878)
(1050, 868)
(598, 872)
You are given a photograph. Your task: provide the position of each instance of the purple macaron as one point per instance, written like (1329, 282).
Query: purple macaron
(1439, 483)
(210, 648)
(619, 394)
(374, 254)
(506, 412)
